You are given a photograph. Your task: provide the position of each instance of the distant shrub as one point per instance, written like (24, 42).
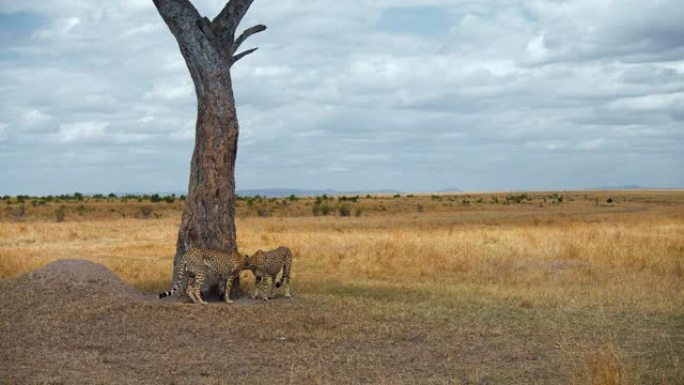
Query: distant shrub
(320, 209)
(98, 196)
(292, 198)
(609, 200)
(170, 198)
(397, 196)
(344, 210)
(111, 196)
(350, 199)
(78, 196)
(325, 209)
(81, 210)
(555, 198)
(155, 198)
(40, 202)
(512, 198)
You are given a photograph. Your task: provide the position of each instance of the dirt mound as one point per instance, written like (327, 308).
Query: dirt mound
(73, 279)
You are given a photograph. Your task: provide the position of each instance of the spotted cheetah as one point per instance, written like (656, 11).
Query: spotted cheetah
(196, 263)
(266, 265)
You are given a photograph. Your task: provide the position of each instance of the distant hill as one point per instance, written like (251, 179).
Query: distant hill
(450, 190)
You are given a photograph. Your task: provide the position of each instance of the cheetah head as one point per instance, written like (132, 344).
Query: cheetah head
(249, 263)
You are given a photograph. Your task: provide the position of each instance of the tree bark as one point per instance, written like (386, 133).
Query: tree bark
(208, 48)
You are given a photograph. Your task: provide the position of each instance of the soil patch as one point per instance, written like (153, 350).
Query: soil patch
(75, 322)
(74, 279)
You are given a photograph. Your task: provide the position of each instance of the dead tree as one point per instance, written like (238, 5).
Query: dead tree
(210, 48)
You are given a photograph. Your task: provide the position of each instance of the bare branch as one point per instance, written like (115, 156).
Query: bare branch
(247, 33)
(228, 20)
(243, 54)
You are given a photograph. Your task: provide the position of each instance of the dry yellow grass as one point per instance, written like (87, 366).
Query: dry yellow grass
(588, 273)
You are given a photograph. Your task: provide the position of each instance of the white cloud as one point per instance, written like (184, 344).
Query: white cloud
(654, 102)
(81, 131)
(170, 90)
(536, 51)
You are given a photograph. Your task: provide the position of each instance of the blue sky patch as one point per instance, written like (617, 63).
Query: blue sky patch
(18, 25)
(416, 20)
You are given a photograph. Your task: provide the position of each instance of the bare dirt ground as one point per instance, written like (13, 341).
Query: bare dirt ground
(75, 322)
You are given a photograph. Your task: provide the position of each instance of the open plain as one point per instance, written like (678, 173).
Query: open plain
(508, 288)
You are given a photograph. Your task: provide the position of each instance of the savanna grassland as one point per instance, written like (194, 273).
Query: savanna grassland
(528, 288)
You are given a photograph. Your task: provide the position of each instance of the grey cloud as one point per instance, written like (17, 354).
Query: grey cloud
(501, 95)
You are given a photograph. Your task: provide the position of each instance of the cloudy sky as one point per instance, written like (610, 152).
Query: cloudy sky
(360, 94)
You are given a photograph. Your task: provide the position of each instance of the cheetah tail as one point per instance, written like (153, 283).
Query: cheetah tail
(167, 293)
(181, 269)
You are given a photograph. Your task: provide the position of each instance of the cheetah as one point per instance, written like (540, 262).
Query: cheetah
(196, 263)
(267, 264)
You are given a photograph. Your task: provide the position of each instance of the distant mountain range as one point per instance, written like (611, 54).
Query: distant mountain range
(449, 190)
(286, 192)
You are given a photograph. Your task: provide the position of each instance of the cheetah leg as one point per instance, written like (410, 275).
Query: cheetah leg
(229, 285)
(257, 282)
(190, 289)
(199, 283)
(287, 287)
(264, 286)
(270, 288)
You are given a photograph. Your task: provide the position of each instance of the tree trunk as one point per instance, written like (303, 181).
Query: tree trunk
(209, 49)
